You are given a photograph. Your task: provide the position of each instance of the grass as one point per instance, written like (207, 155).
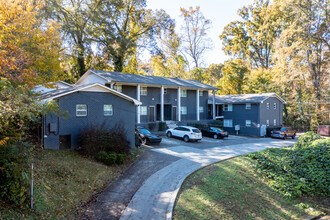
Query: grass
(64, 180)
(233, 189)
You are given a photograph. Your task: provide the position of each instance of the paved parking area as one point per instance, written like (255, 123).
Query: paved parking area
(148, 189)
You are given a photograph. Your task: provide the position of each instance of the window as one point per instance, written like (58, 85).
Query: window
(183, 110)
(228, 108)
(81, 110)
(267, 122)
(248, 123)
(248, 106)
(143, 91)
(275, 122)
(228, 123)
(183, 93)
(275, 106)
(201, 93)
(165, 91)
(267, 105)
(118, 88)
(201, 109)
(143, 110)
(107, 109)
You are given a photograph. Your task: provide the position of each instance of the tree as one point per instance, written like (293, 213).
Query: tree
(213, 75)
(252, 39)
(302, 55)
(75, 17)
(30, 49)
(125, 25)
(195, 33)
(233, 77)
(259, 81)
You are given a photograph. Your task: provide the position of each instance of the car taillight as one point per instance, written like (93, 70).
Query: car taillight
(222, 133)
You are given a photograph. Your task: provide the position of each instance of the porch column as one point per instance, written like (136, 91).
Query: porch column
(162, 103)
(197, 104)
(179, 104)
(213, 104)
(138, 108)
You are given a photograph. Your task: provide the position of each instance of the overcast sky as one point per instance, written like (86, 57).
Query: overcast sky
(220, 12)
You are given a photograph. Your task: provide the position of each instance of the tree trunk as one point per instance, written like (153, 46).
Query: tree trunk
(81, 60)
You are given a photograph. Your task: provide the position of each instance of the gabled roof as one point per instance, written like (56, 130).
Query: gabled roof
(96, 87)
(129, 78)
(51, 86)
(244, 98)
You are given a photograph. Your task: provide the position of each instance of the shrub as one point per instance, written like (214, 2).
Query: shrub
(14, 171)
(152, 126)
(120, 158)
(100, 138)
(162, 126)
(307, 139)
(297, 171)
(110, 158)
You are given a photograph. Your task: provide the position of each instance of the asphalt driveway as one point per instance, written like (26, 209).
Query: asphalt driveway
(148, 189)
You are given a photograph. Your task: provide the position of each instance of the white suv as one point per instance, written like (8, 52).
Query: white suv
(185, 132)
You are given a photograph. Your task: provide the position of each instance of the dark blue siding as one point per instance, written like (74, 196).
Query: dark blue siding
(123, 113)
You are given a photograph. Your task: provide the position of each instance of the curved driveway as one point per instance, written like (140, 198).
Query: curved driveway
(149, 188)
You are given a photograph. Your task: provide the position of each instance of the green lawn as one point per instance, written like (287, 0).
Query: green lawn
(64, 180)
(233, 189)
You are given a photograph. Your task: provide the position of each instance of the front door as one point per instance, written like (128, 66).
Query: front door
(167, 112)
(174, 117)
(152, 113)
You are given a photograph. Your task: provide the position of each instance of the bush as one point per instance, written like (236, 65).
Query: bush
(307, 139)
(100, 138)
(152, 126)
(297, 171)
(162, 126)
(110, 158)
(14, 172)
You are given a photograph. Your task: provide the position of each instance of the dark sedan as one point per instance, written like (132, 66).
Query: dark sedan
(214, 133)
(147, 137)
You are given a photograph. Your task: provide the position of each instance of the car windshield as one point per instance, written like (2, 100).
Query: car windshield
(144, 131)
(283, 129)
(196, 130)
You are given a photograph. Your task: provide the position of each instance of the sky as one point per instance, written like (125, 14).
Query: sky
(220, 12)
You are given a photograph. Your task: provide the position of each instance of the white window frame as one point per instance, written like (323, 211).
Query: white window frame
(118, 88)
(275, 105)
(228, 108)
(267, 122)
(79, 111)
(275, 122)
(267, 105)
(143, 110)
(107, 112)
(248, 106)
(183, 93)
(201, 93)
(183, 110)
(201, 109)
(144, 91)
(228, 123)
(248, 123)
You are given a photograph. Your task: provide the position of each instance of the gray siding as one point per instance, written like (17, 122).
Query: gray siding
(271, 113)
(239, 115)
(123, 112)
(170, 98)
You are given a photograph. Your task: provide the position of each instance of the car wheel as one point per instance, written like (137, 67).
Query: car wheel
(186, 138)
(294, 136)
(169, 134)
(215, 136)
(284, 137)
(143, 141)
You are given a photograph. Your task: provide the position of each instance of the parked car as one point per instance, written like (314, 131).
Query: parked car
(284, 133)
(214, 133)
(186, 132)
(146, 136)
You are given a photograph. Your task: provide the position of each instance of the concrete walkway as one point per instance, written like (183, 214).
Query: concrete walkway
(155, 198)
